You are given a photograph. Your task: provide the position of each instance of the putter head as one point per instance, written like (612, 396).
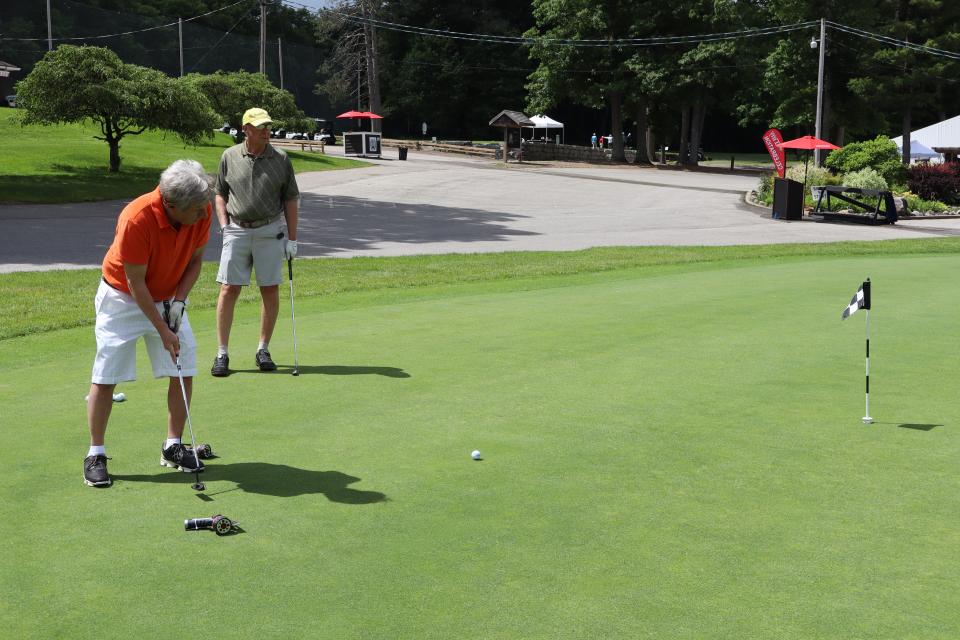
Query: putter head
(296, 372)
(198, 486)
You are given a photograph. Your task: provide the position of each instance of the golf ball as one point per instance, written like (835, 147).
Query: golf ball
(117, 397)
(475, 454)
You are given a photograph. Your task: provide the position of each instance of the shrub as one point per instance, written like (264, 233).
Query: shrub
(935, 182)
(916, 203)
(880, 154)
(815, 175)
(865, 179)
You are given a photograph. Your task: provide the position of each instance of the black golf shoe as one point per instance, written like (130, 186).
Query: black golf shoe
(221, 366)
(177, 456)
(264, 361)
(95, 471)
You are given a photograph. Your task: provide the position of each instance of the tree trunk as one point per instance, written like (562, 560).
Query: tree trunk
(114, 141)
(905, 129)
(616, 116)
(651, 145)
(697, 113)
(683, 156)
(643, 152)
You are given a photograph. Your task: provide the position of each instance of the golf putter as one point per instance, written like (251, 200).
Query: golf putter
(198, 486)
(293, 319)
(221, 525)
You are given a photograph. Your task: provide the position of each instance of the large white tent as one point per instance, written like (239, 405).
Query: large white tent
(541, 121)
(941, 134)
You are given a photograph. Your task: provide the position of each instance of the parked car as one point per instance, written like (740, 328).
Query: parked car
(326, 136)
(12, 100)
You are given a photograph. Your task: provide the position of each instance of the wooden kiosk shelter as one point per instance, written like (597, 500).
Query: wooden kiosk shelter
(510, 120)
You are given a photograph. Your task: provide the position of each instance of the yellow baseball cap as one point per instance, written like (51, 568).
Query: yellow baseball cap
(256, 117)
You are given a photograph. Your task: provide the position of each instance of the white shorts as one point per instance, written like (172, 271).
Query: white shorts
(253, 249)
(120, 322)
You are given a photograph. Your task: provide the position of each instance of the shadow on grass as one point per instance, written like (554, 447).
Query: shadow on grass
(916, 426)
(332, 370)
(277, 480)
(919, 427)
(78, 184)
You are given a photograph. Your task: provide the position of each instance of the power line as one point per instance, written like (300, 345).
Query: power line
(128, 33)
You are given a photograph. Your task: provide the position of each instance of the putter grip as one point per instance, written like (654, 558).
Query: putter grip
(195, 524)
(290, 268)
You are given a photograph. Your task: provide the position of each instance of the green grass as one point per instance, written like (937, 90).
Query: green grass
(671, 450)
(45, 301)
(65, 163)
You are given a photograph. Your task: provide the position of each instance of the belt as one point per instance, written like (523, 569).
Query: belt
(254, 224)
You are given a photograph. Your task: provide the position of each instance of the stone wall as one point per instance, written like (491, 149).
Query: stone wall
(548, 151)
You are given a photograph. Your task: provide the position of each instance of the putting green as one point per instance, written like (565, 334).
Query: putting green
(668, 453)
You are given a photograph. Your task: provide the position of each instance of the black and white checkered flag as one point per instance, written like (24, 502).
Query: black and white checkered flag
(861, 300)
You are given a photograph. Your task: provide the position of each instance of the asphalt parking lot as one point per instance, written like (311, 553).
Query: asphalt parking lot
(436, 203)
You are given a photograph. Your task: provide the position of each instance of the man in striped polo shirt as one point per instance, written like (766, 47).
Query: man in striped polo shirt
(257, 202)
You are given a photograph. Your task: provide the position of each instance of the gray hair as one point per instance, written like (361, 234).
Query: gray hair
(184, 184)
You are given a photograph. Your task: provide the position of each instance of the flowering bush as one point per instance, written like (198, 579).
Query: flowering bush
(865, 179)
(935, 182)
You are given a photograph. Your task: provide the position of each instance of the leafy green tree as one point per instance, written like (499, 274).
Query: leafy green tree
(73, 84)
(593, 76)
(230, 94)
(900, 81)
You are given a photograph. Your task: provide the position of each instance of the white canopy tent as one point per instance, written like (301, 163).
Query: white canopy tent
(545, 122)
(941, 134)
(920, 151)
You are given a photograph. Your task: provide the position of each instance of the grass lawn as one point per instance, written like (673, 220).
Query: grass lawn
(671, 449)
(65, 163)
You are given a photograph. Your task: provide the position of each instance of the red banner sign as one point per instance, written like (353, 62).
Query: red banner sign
(772, 139)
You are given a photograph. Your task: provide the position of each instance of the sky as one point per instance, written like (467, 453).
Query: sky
(311, 4)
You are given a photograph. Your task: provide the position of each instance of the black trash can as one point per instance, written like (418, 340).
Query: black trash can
(787, 199)
(402, 151)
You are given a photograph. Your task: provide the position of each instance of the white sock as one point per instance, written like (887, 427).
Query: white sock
(264, 345)
(170, 442)
(97, 450)
(222, 350)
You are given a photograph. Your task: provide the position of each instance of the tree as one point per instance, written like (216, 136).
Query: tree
(594, 76)
(230, 94)
(73, 84)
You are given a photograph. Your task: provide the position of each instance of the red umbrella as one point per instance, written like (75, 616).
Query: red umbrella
(371, 115)
(809, 143)
(353, 114)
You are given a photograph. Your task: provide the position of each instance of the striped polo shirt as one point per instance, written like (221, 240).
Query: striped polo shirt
(255, 187)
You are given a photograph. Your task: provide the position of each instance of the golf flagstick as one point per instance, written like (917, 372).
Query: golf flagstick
(866, 417)
(861, 300)
(293, 318)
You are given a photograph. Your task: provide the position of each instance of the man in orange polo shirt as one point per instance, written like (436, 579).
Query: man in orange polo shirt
(148, 273)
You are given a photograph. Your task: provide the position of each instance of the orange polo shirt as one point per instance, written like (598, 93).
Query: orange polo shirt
(145, 236)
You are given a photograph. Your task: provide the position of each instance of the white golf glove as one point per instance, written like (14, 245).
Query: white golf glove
(174, 314)
(291, 249)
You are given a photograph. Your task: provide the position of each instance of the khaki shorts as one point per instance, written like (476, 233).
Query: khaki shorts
(253, 249)
(120, 323)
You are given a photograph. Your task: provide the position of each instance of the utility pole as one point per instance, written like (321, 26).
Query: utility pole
(49, 29)
(263, 36)
(280, 58)
(819, 122)
(180, 31)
